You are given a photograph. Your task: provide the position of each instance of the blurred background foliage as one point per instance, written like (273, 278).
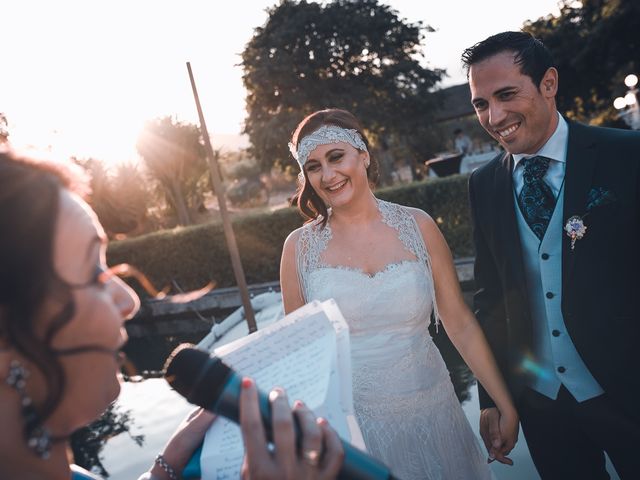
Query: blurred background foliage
(595, 44)
(359, 56)
(194, 256)
(174, 156)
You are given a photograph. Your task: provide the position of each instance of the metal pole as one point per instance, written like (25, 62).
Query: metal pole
(226, 221)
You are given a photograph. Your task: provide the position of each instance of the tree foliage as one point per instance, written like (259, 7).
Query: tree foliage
(356, 55)
(595, 44)
(174, 155)
(120, 198)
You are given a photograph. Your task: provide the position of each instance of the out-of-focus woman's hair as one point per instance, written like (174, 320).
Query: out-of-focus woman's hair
(29, 199)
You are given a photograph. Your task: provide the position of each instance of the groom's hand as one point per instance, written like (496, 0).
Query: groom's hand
(499, 443)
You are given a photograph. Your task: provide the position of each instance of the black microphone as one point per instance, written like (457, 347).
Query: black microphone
(206, 381)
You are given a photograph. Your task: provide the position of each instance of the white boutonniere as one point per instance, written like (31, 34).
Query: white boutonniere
(597, 197)
(575, 229)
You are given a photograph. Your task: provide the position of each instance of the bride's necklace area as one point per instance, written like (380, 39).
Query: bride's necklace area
(356, 221)
(356, 243)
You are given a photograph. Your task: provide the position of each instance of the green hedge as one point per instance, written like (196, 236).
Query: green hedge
(193, 256)
(447, 201)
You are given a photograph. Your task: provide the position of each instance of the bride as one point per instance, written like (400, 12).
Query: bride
(388, 268)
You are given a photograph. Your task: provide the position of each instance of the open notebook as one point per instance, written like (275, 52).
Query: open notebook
(308, 354)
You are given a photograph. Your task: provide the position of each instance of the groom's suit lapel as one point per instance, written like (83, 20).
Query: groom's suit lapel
(578, 177)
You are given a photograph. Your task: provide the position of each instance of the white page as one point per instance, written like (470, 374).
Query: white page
(344, 372)
(308, 354)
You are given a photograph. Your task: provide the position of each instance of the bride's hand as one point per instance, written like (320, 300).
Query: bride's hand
(499, 431)
(509, 427)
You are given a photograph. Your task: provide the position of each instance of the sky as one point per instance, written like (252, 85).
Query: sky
(80, 77)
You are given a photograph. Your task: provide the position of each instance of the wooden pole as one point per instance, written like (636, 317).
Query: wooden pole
(226, 221)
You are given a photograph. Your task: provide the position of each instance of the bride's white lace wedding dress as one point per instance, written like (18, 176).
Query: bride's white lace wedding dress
(404, 400)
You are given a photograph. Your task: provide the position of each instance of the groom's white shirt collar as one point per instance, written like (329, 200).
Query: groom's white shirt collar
(556, 149)
(556, 146)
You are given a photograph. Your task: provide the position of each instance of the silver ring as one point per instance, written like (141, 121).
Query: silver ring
(311, 457)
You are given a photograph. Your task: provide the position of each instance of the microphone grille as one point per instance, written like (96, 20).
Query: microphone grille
(195, 374)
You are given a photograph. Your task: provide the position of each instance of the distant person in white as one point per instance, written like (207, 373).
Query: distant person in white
(461, 141)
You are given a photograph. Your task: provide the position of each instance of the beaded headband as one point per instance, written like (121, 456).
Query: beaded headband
(324, 135)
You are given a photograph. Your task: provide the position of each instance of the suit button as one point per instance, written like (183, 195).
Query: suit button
(545, 256)
(549, 295)
(562, 369)
(555, 333)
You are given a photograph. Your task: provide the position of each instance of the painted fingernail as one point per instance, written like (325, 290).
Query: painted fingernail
(298, 404)
(275, 393)
(246, 382)
(322, 421)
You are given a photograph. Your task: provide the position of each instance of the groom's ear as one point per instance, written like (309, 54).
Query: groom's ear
(549, 84)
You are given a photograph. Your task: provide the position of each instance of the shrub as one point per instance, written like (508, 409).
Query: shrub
(195, 255)
(447, 201)
(248, 192)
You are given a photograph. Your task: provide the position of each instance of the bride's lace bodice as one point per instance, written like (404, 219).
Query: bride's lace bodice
(388, 312)
(314, 240)
(403, 396)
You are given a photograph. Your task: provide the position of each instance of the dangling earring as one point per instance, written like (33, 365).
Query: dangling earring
(37, 436)
(367, 162)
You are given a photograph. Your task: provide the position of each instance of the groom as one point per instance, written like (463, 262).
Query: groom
(557, 237)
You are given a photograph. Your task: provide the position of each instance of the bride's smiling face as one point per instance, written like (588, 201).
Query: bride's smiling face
(337, 172)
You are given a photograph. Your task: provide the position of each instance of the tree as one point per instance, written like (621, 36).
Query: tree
(356, 55)
(120, 198)
(174, 155)
(595, 44)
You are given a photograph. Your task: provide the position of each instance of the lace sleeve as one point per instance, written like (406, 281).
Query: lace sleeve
(402, 219)
(302, 260)
(425, 257)
(313, 239)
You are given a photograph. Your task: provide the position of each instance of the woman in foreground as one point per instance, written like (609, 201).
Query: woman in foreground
(62, 314)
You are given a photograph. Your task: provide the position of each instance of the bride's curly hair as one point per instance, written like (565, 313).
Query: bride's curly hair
(308, 201)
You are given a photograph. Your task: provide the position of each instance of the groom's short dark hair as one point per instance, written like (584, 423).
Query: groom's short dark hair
(531, 55)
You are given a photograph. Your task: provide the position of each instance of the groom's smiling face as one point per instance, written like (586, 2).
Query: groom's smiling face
(511, 108)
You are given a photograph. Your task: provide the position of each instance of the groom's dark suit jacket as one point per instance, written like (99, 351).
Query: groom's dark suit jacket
(600, 277)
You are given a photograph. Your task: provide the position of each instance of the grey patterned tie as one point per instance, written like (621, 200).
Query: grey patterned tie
(536, 199)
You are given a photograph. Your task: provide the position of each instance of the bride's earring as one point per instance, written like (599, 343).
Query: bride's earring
(37, 436)
(367, 162)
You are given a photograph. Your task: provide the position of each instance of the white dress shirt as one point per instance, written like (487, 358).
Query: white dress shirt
(556, 150)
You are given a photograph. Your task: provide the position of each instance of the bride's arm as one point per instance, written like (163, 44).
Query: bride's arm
(289, 283)
(465, 332)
